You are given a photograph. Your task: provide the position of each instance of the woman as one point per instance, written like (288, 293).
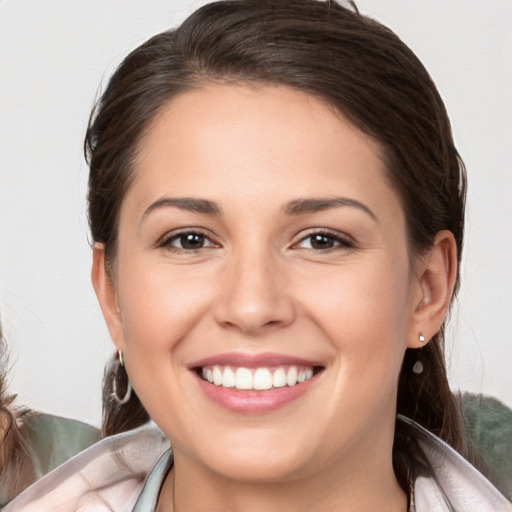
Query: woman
(277, 211)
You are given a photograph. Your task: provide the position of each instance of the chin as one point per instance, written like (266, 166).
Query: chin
(258, 466)
(253, 455)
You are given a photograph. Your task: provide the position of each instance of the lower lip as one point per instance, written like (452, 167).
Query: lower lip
(254, 402)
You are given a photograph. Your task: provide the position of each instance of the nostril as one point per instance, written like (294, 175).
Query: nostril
(251, 313)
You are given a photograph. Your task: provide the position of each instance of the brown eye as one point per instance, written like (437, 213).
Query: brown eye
(191, 241)
(324, 241)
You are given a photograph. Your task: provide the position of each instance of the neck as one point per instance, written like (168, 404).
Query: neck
(363, 483)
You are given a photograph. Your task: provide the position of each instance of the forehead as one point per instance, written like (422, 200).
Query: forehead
(225, 139)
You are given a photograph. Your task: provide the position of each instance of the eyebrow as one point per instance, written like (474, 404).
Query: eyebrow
(185, 203)
(312, 205)
(295, 207)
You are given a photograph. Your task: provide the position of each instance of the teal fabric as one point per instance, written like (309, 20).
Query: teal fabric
(148, 498)
(53, 440)
(488, 425)
(50, 441)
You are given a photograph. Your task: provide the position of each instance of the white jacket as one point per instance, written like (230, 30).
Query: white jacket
(112, 475)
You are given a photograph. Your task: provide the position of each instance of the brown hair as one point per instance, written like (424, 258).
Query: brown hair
(349, 61)
(16, 467)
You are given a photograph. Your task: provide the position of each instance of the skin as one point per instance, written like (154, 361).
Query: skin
(259, 286)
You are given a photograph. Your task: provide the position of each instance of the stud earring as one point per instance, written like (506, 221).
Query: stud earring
(418, 365)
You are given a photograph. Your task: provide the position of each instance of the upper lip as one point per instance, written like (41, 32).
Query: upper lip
(253, 360)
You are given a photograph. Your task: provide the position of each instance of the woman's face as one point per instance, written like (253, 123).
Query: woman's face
(261, 246)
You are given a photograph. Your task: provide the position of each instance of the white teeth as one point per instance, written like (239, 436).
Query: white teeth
(262, 379)
(279, 378)
(258, 379)
(229, 378)
(217, 376)
(291, 376)
(243, 379)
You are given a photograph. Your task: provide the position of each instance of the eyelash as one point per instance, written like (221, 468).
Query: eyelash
(167, 241)
(337, 240)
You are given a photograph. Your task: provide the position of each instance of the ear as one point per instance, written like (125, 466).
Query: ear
(107, 295)
(435, 273)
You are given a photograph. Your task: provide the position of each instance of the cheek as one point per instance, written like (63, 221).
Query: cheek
(158, 306)
(363, 311)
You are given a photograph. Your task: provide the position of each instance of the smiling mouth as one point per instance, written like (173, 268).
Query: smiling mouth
(257, 379)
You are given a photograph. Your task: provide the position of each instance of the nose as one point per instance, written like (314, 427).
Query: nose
(254, 296)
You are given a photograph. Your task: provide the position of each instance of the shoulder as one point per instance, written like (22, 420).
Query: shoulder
(36, 443)
(451, 483)
(107, 476)
(53, 439)
(488, 423)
